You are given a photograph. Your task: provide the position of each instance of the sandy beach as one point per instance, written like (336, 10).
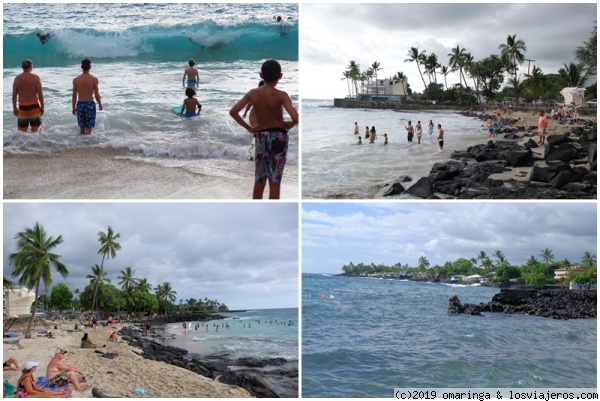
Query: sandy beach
(119, 376)
(100, 173)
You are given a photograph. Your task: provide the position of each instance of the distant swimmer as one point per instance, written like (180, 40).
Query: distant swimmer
(419, 132)
(359, 140)
(385, 139)
(192, 75)
(355, 128)
(440, 137)
(44, 38)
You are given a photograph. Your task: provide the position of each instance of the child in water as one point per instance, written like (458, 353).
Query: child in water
(190, 104)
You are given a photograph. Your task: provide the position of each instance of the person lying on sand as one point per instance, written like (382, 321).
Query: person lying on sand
(11, 364)
(60, 375)
(87, 343)
(26, 387)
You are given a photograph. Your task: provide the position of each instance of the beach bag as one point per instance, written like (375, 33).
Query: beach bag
(8, 390)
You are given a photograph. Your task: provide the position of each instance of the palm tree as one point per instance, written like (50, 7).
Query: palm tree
(143, 285)
(573, 75)
(431, 65)
(128, 282)
(97, 278)
(532, 263)
(444, 70)
(7, 285)
(166, 294)
(354, 72)
(547, 256)
(400, 77)
(500, 258)
(588, 260)
(423, 263)
(109, 246)
(376, 67)
(416, 56)
(517, 89)
(347, 78)
(367, 76)
(511, 52)
(482, 256)
(537, 84)
(456, 61)
(33, 260)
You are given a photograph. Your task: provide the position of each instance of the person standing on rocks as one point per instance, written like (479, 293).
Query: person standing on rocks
(542, 125)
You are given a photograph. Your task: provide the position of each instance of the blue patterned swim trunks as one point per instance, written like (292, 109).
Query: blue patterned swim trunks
(270, 157)
(86, 114)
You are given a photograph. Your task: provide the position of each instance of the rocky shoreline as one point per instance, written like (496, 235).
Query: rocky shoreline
(556, 304)
(513, 168)
(272, 378)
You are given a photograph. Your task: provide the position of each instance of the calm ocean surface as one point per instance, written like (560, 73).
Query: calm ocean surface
(139, 53)
(266, 339)
(374, 335)
(334, 166)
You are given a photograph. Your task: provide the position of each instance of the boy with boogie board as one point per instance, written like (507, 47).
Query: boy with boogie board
(190, 104)
(270, 132)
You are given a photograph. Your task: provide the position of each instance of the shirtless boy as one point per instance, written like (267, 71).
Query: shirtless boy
(192, 75)
(440, 137)
(270, 132)
(59, 375)
(410, 131)
(85, 89)
(27, 87)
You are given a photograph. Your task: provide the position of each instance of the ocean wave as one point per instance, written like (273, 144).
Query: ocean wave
(206, 41)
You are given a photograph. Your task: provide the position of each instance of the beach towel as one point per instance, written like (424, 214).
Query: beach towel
(43, 383)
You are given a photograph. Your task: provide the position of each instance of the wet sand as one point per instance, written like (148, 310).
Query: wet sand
(99, 173)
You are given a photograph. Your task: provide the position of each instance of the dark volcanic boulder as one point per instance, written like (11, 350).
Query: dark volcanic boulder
(422, 188)
(518, 158)
(541, 174)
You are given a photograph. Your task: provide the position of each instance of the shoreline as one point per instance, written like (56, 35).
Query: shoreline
(101, 173)
(118, 377)
(512, 165)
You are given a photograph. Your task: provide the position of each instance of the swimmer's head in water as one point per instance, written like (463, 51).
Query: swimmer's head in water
(189, 92)
(271, 71)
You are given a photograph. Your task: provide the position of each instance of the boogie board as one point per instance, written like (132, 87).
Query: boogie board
(177, 110)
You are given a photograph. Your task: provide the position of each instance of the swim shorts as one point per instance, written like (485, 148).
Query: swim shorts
(191, 83)
(60, 380)
(270, 155)
(410, 137)
(190, 114)
(29, 114)
(86, 114)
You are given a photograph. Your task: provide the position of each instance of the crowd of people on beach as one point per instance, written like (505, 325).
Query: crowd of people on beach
(371, 134)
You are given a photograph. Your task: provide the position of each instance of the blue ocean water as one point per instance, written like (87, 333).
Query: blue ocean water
(139, 53)
(334, 166)
(270, 335)
(375, 335)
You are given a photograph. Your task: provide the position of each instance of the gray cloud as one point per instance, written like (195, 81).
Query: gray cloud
(385, 32)
(392, 233)
(243, 254)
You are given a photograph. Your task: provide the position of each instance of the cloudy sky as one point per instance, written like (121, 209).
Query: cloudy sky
(334, 34)
(335, 234)
(242, 254)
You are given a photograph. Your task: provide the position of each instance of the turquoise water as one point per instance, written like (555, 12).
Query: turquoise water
(375, 335)
(139, 53)
(262, 333)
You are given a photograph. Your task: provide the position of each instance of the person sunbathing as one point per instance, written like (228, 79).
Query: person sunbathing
(114, 338)
(11, 364)
(26, 387)
(87, 342)
(60, 375)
